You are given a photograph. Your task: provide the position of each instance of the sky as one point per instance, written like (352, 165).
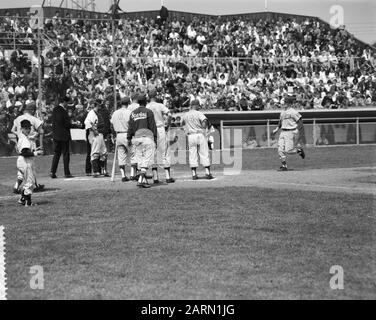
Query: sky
(359, 16)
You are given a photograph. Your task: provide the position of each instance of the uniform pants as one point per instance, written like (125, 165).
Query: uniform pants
(26, 172)
(198, 146)
(287, 143)
(98, 147)
(144, 151)
(122, 148)
(162, 157)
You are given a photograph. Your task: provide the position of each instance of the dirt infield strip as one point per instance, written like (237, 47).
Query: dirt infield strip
(348, 180)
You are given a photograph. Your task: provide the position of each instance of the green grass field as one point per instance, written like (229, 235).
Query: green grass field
(234, 238)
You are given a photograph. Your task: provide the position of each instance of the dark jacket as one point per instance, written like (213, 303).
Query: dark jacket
(142, 123)
(60, 124)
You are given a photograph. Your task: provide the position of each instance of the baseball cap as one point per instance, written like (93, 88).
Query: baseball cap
(195, 103)
(125, 100)
(25, 124)
(134, 97)
(31, 106)
(141, 98)
(152, 93)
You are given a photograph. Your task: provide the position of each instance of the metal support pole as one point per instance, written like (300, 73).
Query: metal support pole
(39, 68)
(221, 134)
(357, 131)
(268, 132)
(114, 60)
(314, 132)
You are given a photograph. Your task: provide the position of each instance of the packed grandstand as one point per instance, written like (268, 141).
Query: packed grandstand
(232, 64)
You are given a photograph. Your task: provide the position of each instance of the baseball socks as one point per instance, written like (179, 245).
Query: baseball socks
(133, 171)
(168, 175)
(142, 182)
(96, 168)
(124, 178)
(17, 186)
(155, 175)
(284, 166)
(194, 173)
(208, 173)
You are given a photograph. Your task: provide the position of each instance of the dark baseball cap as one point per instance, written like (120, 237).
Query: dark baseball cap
(25, 124)
(31, 106)
(152, 93)
(141, 98)
(195, 103)
(125, 100)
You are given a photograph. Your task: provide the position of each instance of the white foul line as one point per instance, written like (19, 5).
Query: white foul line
(3, 288)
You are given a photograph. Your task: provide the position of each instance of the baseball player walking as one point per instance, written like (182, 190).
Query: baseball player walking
(35, 131)
(161, 157)
(120, 121)
(291, 125)
(95, 122)
(195, 125)
(144, 130)
(25, 162)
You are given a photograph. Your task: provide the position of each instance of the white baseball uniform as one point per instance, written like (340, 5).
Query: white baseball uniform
(197, 141)
(98, 146)
(25, 165)
(120, 121)
(162, 155)
(289, 132)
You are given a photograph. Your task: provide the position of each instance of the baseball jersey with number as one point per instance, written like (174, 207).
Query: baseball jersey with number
(289, 119)
(193, 122)
(159, 111)
(120, 120)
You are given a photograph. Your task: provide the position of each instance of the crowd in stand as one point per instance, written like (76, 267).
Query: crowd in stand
(225, 64)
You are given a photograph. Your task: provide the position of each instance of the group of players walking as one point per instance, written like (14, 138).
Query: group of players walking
(140, 124)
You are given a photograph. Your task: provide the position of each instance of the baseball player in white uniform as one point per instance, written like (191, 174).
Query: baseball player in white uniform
(25, 162)
(291, 125)
(94, 122)
(120, 122)
(195, 126)
(35, 131)
(162, 156)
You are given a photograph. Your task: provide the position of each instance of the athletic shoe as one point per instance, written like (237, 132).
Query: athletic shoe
(125, 179)
(68, 176)
(283, 168)
(16, 191)
(39, 187)
(156, 181)
(209, 176)
(53, 175)
(195, 177)
(31, 204)
(143, 185)
(106, 175)
(301, 153)
(22, 201)
(171, 180)
(133, 178)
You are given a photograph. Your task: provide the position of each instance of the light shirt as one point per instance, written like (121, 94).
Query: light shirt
(289, 118)
(91, 120)
(193, 122)
(159, 110)
(35, 123)
(120, 120)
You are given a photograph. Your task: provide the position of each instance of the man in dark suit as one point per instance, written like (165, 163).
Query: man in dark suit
(61, 125)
